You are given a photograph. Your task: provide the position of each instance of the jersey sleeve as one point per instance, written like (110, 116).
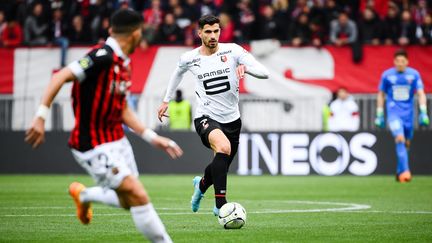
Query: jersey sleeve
(253, 67)
(383, 83)
(92, 63)
(175, 79)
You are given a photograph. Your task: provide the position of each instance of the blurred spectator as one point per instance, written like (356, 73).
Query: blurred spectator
(300, 8)
(318, 13)
(169, 31)
(153, 18)
(79, 34)
(379, 7)
(282, 17)
(227, 28)
(317, 33)
(391, 26)
(420, 11)
(344, 113)
(331, 12)
(182, 19)
(35, 27)
(424, 31)
(191, 36)
(12, 35)
(99, 11)
(2, 22)
(407, 29)
(20, 11)
(268, 28)
(209, 7)
(180, 113)
(300, 31)
(279, 19)
(245, 20)
(370, 27)
(103, 32)
(171, 5)
(192, 10)
(343, 31)
(58, 32)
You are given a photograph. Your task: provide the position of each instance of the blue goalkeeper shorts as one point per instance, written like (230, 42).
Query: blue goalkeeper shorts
(399, 126)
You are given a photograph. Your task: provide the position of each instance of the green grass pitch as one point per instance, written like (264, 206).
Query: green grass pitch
(280, 209)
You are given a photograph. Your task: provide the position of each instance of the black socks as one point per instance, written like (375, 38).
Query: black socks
(219, 171)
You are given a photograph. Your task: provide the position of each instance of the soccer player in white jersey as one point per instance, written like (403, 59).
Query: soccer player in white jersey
(217, 68)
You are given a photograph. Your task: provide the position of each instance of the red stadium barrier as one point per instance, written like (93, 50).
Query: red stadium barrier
(357, 78)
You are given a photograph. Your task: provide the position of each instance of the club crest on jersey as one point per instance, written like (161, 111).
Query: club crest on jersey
(410, 78)
(120, 87)
(224, 58)
(392, 79)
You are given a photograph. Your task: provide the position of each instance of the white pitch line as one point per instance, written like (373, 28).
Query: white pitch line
(209, 213)
(346, 208)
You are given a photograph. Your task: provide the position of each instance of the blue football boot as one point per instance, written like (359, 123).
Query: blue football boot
(216, 211)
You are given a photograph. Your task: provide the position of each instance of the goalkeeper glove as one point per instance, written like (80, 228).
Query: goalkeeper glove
(379, 120)
(423, 116)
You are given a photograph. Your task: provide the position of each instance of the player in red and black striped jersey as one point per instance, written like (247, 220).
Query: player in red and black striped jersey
(99, 95)
(101, 81)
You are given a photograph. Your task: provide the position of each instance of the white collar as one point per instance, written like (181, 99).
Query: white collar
(111, 42)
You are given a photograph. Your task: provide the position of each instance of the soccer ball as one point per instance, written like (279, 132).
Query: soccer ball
(232, 216)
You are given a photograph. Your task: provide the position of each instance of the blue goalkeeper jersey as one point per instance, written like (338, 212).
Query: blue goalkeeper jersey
(400, 88)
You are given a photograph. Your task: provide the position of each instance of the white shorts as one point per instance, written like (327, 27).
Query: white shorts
(108, 163)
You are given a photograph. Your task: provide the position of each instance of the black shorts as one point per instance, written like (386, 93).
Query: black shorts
(204, 125)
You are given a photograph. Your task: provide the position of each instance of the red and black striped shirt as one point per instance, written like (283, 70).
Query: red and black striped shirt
(99, 96)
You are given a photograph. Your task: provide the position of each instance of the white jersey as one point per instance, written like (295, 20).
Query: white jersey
(344, 115)
(217, 85)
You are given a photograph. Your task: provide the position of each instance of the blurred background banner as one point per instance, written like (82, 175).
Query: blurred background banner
(302, 79)
(279, 153)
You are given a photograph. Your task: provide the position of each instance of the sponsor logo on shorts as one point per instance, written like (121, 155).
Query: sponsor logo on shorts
(204, 124)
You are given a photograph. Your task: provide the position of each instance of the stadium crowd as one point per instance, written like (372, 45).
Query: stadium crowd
(293, 22)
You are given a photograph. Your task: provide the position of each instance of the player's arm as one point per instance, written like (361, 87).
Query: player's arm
(248, 64)
(423, 116)
(379, 120)
(169, 146)
(173, 83)
(35, 135)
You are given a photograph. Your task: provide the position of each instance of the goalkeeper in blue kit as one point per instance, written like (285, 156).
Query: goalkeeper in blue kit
(397, 87)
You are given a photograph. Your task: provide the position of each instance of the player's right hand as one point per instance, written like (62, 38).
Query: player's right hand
(35, 135)
(162, 111)
(169, 146)
(379, 121)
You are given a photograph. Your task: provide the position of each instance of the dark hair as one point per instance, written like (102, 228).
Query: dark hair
(208, 19)
(400, 52)
(125, 21)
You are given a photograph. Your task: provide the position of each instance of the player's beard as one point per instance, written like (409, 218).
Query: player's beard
(211, 44)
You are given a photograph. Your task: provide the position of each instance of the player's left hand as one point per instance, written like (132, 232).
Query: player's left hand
(169, 146)
(35, 135)
(423, 119)
(240, 71)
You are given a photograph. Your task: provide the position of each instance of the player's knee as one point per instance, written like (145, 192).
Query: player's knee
(400, 139)
(224, 148)
(132, 192)
(135, 198)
